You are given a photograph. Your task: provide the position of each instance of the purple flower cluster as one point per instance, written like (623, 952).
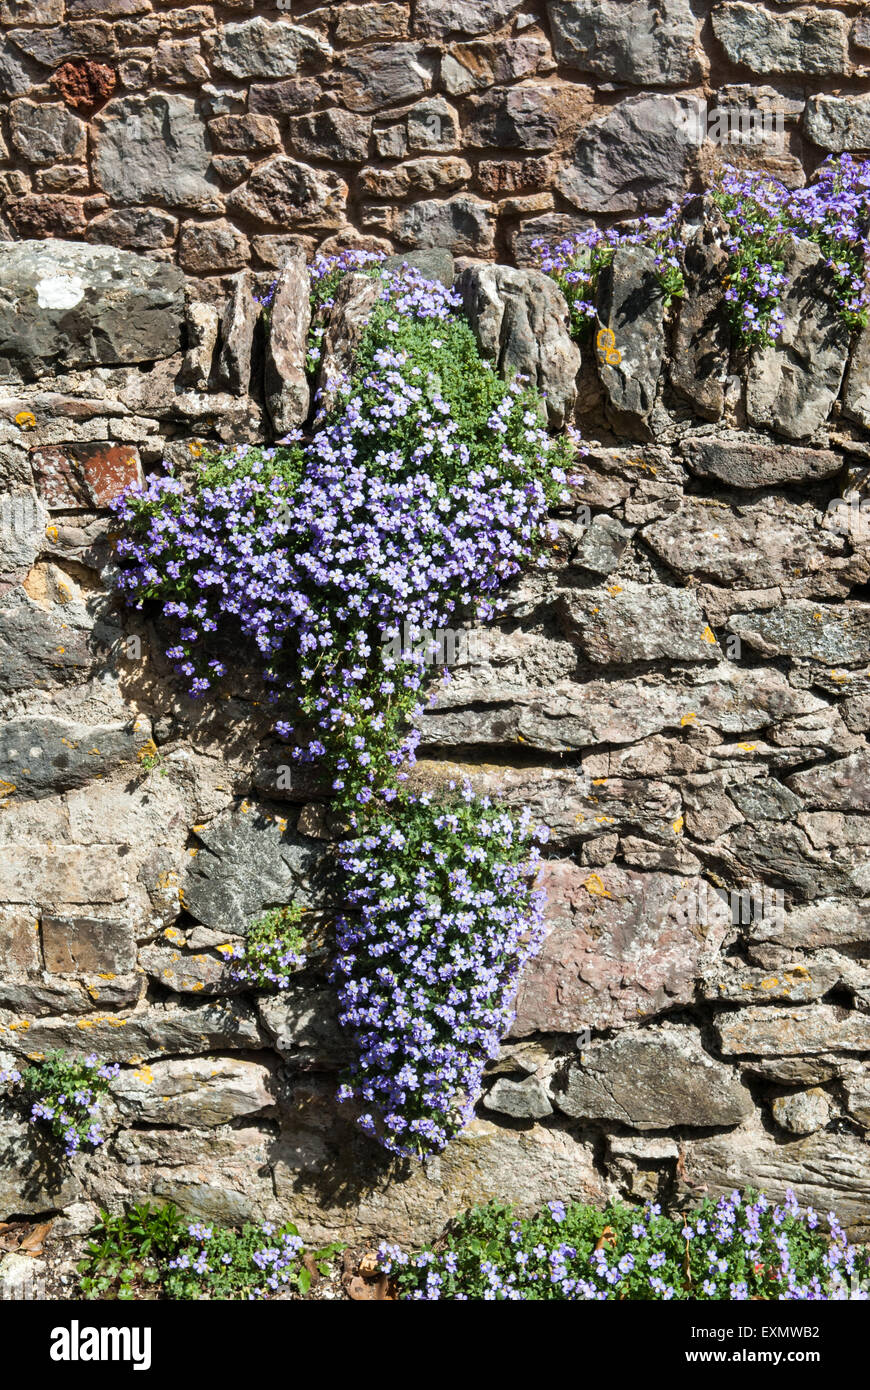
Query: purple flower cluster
(739, 1248)
(64, 1096)
(763, 217)
(428, 967)
(392, 515)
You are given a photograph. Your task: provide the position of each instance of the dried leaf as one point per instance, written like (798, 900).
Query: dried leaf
(310, 1264)
(369, 1265)
(607, 1237)
(33, 1242)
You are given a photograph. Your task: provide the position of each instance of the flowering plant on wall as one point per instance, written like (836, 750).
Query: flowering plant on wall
(763, 218)
(427, 968)
(424, 487)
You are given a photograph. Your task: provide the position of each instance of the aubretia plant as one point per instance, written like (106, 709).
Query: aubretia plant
(424, 488)
(62, 1095)
(763, 217)
(577, 262)
(427, 969)
(150, 1252)
(274, 949)
(424, 491)
(741, 1247)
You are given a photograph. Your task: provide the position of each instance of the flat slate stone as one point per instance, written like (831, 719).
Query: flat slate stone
(72, 305)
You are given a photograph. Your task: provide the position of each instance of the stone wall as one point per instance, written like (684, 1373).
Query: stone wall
(682, 694)
(210, 135)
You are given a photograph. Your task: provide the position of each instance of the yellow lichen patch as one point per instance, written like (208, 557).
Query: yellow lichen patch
(225, 949)
(36, 1056)
(595, 886)
(145, 1075)
(614, 588)
(770, 983)
(25, 420)
(747, 747)
(197, 987)
(7, 788)
(708, 635)
(599, 781)
(677, 825)
(51, 534)
(22, 1026)
(148, 750)
(687, 718)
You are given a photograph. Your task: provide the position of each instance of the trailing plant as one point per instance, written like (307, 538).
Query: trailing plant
(741, 1247)
(424, 488)
(427, 972)
(62, 1095)
(273, 951)
(153, 1247)
(763, 219)
(577, 262)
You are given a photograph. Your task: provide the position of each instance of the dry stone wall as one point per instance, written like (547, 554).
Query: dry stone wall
(682, 694)
(212, 135)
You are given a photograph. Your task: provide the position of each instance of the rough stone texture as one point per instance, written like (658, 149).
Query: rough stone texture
(285, 380)
(463, 224)
(153, 147)
(639, 623)
(701, 345)
(653, 1080)
(79, 305)
(792, 386)
(805, 41)
(838, 123)
(284, 192)
(629, 337)
(644, 42)
(435, 18)
(803, 1112)
(753, 464)
(521, 325)
(628, 160)
(246, 864)
(617, 951)
(237, 336)
(199, 1092)
(266, 48)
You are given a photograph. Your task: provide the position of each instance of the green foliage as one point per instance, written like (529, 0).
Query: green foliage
(735, 1249)
(63, 1095)
(126, 1253)
(152, 1252)
(274, 949)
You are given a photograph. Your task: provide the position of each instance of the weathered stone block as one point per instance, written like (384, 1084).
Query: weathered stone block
(282, 192)
(154, 148)
(619, 949)
(285, 381)
(629, 159)
(85, 945)
(520, 320)
(266, 48)
(654, 1080)
(645, 42)
(811, 42)
(196, 1093)
(83, 305)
